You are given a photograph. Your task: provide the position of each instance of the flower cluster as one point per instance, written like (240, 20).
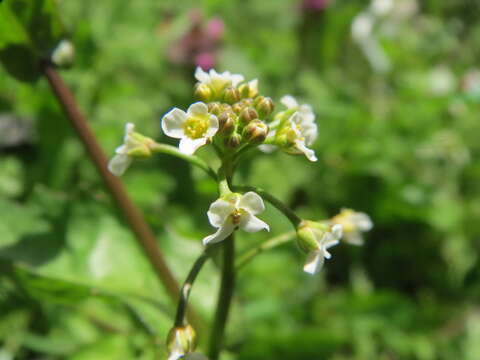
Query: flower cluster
(232, 116)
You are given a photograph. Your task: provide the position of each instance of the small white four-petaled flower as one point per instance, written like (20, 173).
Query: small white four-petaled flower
(354, 224)
(302, 122)
(194, 128)
(316, 238)
(134, 145)
(235, 211)
(218, 81)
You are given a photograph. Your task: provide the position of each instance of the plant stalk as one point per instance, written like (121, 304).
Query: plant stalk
(224, 298)
(131, 213)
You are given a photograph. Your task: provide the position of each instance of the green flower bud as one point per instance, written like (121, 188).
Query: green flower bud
(214, 108)
(248, 114)
(264, 106)
(307, 234)
(203, 92)
(226, 122)
(139, 146)
(233, 141)
(255, 132)
(181, 340)
(231, 95)
(249, 90)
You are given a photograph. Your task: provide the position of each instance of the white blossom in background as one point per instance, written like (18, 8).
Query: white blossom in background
(218, 81)
(353, 224)
(64, 53)
(320, 242)
(194, 128)
(442, 81)
(235, 211)
(382, 7)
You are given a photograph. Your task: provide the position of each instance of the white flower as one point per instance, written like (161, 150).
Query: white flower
(353, 224)
(382, 7)
(121, 161)
(235, 211)
(362, 26)
(305, 133)
(325, 240)
(194, 127)
(218, 81)
(304, 128)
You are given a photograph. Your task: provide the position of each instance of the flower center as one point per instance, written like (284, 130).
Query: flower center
(236, 216)
(196, 126)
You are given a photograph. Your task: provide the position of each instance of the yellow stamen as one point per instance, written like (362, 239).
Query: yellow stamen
(196, 126)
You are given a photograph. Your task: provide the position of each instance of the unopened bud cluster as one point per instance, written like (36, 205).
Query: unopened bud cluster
(241, 112)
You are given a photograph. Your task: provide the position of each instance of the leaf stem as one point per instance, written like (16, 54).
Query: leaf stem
(294, 219)
(224, 298)
(271, 243)
(192, 159)
(188, 284)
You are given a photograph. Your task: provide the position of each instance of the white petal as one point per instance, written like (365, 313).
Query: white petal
(172, 123)
(354, 238)
(309, 153)
(219, 211)
(198, 108)
(213, 128)
(252, 202)
(129, 128)
(337, 231)
(289, 101)
(189, 146)
(122, 149)
(328, 245)
(221, 234)
(362, 221)
(201, 75)
(314, 262)
(251, 223)
(267, 148)
(236, 79)
(119, 163)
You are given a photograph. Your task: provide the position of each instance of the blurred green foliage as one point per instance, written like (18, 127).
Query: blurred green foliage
(400, 144)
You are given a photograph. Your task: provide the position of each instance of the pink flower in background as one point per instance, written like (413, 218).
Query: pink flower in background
(314, 6)
(200, 45)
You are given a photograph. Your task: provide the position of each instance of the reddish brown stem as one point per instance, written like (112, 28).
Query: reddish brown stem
(132, 215)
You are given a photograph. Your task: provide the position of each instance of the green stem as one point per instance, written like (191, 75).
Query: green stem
(294, 219)
(224, 298)
(188, 284)
(246, 257)
(192, 159)
(223, 176)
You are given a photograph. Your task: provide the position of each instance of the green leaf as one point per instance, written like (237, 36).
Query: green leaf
(29, 31)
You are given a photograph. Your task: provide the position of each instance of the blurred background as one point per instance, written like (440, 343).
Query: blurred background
(395, 85)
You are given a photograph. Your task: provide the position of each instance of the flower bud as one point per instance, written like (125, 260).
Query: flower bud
(306, 239)
(233, 141)
(255, 132)
(214, 108)
(249, 90)
(231, 95)
(180, 341)
(139, 146)
(226, 122)
(264, 106)
(203, 92)
(248, 114)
